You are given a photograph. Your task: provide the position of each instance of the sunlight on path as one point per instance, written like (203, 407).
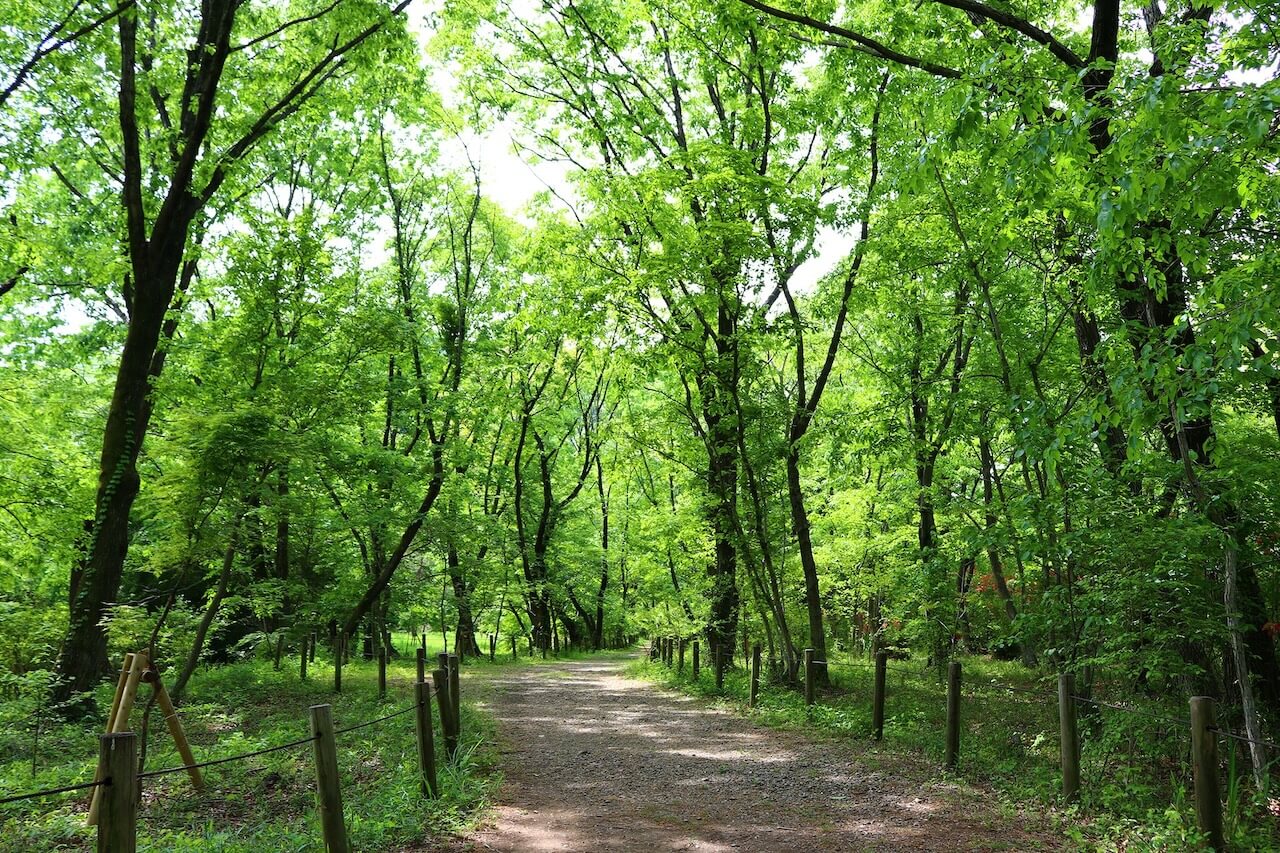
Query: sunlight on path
(597, 762)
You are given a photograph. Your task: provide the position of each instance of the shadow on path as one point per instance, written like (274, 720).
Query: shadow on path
(593, 761)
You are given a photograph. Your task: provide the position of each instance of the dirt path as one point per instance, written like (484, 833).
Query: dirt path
(594, 761)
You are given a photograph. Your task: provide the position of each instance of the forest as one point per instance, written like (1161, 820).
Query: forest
(948, 329)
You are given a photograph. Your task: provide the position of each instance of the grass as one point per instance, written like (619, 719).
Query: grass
(266, 802)
(1135, 771)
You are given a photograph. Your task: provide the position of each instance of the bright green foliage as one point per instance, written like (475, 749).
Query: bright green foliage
(949, 327)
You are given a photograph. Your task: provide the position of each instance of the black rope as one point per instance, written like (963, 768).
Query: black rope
(150, 773)
(52, 791)
(412, 707)
(1178, 721)
(1243, 739)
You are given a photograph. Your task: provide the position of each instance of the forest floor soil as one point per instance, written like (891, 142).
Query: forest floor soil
(595, 761)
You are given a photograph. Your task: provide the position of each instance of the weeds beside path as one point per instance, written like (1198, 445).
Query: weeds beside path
(595, 761)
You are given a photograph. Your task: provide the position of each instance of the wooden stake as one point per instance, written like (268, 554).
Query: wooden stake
(755, 675)
(455, 694)
(1068, 738)
(952, 756)
(118, 762)
(302, 659)
(338, 651)
(696, 662)
(441, 679)
(877, 695)
(1204, 757)
(683, 643)
(808, 676)
(328, 787)
(430, 787)
(422, 664)
(382, 670)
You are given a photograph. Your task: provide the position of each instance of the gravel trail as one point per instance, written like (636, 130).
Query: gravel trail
(594, 761)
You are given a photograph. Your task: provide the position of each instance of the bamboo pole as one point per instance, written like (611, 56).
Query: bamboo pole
(120, 722)
(176, 731)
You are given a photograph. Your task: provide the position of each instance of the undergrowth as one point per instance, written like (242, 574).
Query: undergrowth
(266, 802)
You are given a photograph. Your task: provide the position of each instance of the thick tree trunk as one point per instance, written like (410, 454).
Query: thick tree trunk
(83, 660)
(465, 636)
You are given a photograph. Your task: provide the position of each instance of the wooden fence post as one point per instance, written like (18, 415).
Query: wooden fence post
(696, 645)
(755, 675)
(382, 670)
(1204, 757)
(426, 740)
(1068, 738)
(808, 676)
(311, 653)
(441, 679)
(683, 643)
(118, 818)
(338, 651)
(455, 694)
(493, 648)
(302, 659)
(442, 661)
(328, 788)
(953, 714)
(877, 695)
(421, 654)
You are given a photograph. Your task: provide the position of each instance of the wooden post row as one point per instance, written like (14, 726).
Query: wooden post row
(877, 695)
(1204, 757)
(328, 788)
(118, 821)
(953, 714)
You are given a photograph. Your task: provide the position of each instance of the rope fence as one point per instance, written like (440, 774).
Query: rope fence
(117, 818)
(49, 792)
(182, 768)
(1201, 725)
